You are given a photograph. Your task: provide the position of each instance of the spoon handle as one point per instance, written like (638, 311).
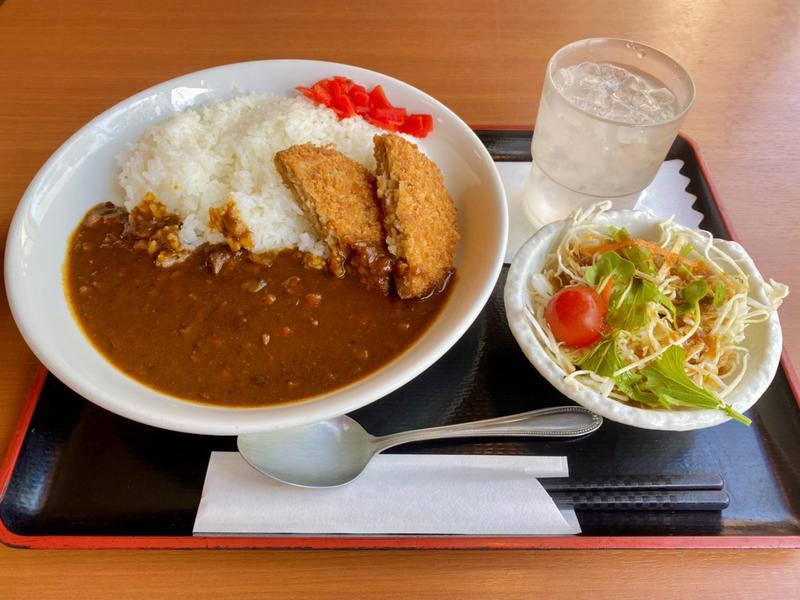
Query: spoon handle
(558, 422)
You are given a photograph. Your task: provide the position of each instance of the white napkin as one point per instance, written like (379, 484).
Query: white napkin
(396, 494)
(666, 196)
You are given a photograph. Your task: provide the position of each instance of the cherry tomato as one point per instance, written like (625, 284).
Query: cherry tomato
(575, 316)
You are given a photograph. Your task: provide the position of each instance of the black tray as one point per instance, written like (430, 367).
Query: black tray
(80, 476)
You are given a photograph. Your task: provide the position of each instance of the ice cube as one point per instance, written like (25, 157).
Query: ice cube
(613, 92)
(563, 79)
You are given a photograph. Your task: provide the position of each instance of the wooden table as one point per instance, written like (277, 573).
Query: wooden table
(64, 62)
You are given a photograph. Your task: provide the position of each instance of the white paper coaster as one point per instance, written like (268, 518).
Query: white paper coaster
(666, 196)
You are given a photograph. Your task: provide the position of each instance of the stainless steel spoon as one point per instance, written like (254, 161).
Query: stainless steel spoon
(336, 451)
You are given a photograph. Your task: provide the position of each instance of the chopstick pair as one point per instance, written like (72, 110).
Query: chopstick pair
(689, 491)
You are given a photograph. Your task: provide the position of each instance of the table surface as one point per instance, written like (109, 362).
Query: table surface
(64, 62)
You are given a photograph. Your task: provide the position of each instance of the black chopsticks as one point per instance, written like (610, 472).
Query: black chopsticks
(684, 492)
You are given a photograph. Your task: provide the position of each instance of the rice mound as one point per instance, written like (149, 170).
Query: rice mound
(203, 157)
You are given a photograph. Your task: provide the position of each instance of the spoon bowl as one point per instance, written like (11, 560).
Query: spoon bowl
(324, 454)
(336, 451)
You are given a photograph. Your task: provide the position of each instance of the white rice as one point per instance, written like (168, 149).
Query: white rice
(200, 158)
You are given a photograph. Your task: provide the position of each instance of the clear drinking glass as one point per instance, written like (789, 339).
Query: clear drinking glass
(603, 131)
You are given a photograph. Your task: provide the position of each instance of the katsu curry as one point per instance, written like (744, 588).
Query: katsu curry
(265, 251)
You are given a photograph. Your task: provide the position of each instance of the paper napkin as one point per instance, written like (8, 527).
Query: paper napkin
(396, 494)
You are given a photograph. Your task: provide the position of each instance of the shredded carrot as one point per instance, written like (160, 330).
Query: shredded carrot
(654, 248)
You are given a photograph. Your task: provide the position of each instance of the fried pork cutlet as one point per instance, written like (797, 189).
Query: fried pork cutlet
(419, 216)
(337, 195)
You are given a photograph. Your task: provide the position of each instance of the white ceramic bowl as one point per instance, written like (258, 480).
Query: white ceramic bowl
(764, 340)
(83, 173)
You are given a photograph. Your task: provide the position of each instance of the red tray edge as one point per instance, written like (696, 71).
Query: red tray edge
(57, 542)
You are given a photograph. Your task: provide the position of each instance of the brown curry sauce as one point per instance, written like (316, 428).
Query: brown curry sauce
(224, 328)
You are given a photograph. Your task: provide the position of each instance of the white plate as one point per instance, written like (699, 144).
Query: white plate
(83, 173)
(764, 340)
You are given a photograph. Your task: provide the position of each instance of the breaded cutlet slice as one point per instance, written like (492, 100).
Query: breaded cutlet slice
(338, 197)
(419, 216)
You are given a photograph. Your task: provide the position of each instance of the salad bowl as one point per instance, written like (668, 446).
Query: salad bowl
(763, 340)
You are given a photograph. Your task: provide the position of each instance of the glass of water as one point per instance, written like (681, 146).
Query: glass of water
(609, 112)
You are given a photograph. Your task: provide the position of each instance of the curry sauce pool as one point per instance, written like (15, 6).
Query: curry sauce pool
(219, 328)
